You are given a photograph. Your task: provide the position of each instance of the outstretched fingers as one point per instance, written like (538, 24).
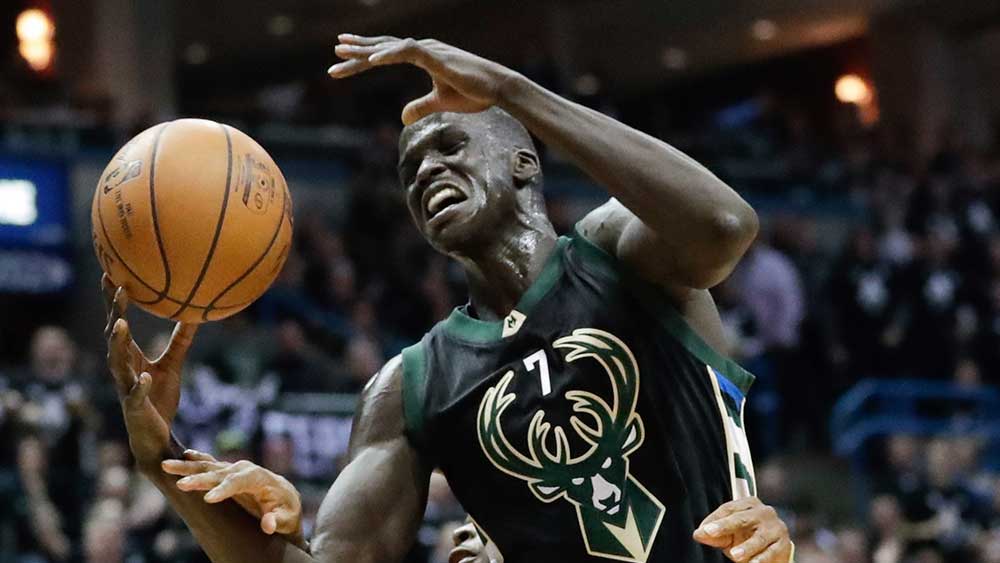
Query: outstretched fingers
(118, 357)
(177, 348)
(186, 467)
(352, 39)
(363, 53)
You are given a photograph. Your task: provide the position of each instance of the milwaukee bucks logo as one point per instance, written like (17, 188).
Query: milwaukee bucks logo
(618, 517)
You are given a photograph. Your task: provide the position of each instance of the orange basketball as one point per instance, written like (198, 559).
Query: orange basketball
(193, 219)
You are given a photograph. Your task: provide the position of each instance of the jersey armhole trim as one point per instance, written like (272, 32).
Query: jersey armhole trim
(668, 316)
(414, 391)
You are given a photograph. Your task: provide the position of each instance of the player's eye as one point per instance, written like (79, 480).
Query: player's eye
(453, 149)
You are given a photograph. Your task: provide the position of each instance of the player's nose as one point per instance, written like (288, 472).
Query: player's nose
(429, 168)
(463, 533)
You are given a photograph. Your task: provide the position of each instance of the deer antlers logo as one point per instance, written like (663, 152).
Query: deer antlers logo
(618, 517)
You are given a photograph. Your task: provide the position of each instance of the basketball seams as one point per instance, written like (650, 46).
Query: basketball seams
(160, 295)
(281, 221)
(152, 209)
(218, 227)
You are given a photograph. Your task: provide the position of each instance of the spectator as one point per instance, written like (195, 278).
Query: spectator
(57, 419)
(861, 298)
(771, 288)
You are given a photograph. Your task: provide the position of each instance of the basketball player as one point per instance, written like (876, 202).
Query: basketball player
(576, 404)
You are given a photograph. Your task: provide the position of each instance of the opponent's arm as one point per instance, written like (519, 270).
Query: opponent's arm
(747, 531)
(677, 223)
(371, 513)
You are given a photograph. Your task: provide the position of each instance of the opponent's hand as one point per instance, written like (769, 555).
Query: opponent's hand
(462, 82)
(149, 390)
(748, 531)
(264, 494)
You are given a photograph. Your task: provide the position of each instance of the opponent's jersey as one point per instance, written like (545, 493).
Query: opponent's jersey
(590, 424)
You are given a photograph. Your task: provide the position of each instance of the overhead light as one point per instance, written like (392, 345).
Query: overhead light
(196, 54)
(852, 89)
(586, 85)
(37, 53)
(764, 30)
(280, 25)
(34, 25)
(35, 31)
(369, 3)
(674, 58)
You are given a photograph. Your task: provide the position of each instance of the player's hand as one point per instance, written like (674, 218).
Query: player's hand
(462, 82)
(149, 390)
(264, 494)
(748, 531)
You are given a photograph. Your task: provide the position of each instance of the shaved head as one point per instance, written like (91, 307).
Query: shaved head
(469, 176)
(499, 125)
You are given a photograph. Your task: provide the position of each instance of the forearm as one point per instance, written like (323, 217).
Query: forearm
(673, 194)
(226, 532)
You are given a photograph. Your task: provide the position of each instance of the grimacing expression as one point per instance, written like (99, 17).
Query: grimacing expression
(457, 176)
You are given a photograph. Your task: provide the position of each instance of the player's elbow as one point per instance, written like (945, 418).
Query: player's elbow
(734, 229)
(731, 233)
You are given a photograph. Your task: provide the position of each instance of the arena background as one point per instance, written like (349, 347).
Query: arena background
(865, 133)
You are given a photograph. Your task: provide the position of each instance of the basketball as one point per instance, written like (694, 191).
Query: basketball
(193, 218)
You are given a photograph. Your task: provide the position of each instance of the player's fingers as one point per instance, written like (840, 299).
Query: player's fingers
(107, 292)
(754, 545)
(118, 357)
(202, 481)
(730, 507)
(421, 107)
(137, 395)
(114, 310)
(779, 552)
(235, 483)
(347, 51)
(286, 520)
(195, 455)
(729, 525)
(406, 51)
(348, 68)
(269, 523)
(184, 467)
(180, 341)
(121, 301)
(353, 39)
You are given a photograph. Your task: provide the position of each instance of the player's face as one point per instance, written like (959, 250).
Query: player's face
(457, 179)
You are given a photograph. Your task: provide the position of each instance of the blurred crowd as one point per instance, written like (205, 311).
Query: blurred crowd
(905, 284)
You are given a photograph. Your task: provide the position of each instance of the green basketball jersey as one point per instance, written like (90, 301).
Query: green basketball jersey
(590, 424)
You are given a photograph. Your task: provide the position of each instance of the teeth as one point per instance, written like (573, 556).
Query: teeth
(437, 200)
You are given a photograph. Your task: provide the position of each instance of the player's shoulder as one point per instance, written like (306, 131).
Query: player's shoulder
(379, 413)
(604, 225)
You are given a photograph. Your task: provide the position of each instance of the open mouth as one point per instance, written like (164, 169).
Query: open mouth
(440, 197)
(462, 555)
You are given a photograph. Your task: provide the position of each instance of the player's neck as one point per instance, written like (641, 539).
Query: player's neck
(500, 275)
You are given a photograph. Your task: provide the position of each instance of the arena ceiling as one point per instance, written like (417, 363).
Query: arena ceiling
(628, 43)
(630, 40)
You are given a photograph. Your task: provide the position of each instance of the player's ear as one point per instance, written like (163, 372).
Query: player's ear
(525, 167)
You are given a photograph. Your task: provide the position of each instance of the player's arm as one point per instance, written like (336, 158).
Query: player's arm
(671, 219)
(371, 513)
(676, 223)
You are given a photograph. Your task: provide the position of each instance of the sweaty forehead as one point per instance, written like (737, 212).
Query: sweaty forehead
(436, 122)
